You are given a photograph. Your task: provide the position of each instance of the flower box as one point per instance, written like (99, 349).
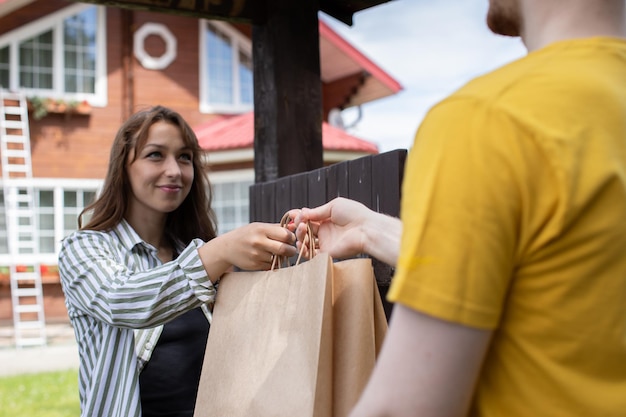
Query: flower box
(40, 107)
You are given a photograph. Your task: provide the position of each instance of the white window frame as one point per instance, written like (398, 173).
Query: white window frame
(54, 22)
(238, 43)
(58, 186)
(221, 177)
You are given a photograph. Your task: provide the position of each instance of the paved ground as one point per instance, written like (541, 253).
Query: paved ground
(60, 353)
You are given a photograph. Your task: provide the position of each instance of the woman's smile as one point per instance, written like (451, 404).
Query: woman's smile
(170, 188)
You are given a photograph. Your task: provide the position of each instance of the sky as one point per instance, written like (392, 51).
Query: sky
(431, 47)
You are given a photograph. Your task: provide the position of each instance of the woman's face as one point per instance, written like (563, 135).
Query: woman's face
(162, 173)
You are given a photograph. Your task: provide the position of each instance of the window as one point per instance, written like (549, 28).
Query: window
(35, 62)
(225, 69)
(4, 67)
(231, 198)
(60, 56)
(79, 39)
(4, 245)
(245, 79)
(58, 221)
(74, 201)
(45, 205)
(57, 207)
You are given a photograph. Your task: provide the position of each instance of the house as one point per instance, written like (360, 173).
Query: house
(86, 68)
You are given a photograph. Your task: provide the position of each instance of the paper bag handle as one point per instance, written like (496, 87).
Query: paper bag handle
(278, 260)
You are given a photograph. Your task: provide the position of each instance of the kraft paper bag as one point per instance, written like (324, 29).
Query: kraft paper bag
(359, 327)
(296, 341)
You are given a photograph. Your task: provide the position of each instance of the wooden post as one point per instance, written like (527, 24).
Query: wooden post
(287, 90)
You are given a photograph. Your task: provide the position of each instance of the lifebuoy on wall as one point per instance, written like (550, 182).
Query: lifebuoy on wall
(150, 62)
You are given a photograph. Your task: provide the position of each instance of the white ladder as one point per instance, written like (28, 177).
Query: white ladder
(22, 236)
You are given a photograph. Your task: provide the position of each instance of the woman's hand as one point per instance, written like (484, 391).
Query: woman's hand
(250, 247)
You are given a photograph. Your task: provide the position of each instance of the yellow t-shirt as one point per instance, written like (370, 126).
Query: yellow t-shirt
(514, 213)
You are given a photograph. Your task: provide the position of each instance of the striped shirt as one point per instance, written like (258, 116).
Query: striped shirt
(114, 285)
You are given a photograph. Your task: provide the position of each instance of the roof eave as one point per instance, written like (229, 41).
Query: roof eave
(7, 6)
(344, 60)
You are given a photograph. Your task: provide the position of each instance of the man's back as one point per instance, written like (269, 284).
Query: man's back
(523, 172)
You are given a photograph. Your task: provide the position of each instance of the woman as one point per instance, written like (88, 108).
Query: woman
(139, 275)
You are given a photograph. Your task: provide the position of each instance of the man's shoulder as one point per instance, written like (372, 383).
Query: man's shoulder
(574, 67)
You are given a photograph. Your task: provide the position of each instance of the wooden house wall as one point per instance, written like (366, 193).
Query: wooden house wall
(77, 146)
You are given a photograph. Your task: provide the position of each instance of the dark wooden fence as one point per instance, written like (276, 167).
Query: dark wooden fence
(373, 180)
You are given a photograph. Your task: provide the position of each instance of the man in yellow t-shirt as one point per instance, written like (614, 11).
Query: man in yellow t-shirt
(514, 214)
(511, 276)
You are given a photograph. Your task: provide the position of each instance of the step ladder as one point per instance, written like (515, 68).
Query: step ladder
(22, 233)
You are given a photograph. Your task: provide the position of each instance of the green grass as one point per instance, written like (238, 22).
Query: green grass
(50, 394)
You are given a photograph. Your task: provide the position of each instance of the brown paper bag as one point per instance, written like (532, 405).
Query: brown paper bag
(359, 326)
(297, 341)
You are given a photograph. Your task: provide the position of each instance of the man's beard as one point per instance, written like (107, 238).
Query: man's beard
(503, 17)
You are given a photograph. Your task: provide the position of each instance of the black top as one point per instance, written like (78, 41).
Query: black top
(169, 381)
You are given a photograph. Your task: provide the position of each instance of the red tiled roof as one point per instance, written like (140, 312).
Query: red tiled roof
(237, 132)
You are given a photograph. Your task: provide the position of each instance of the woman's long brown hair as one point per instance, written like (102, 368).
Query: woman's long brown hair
(194, 218)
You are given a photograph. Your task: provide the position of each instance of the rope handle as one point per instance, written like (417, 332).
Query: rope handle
(278, 260)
